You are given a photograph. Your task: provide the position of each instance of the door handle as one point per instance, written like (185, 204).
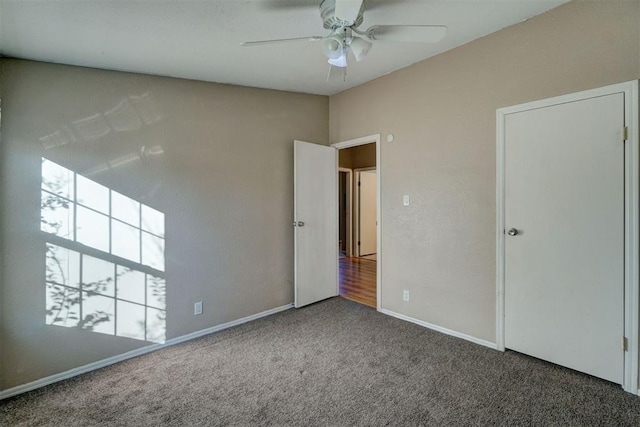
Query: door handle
(300, 224)
(512, 232)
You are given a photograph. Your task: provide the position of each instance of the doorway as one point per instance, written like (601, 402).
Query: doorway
(358, 219)
(366, 235)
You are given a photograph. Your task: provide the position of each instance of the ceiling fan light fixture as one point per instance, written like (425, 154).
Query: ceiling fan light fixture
(343, 18)
(340, 61)
(333, 47)
(360, 48)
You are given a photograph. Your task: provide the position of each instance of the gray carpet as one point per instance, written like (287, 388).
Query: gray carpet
(333, 363)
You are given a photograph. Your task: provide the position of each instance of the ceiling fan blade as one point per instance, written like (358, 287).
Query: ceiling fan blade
(348, 10)
(295, 39)
(407, 33)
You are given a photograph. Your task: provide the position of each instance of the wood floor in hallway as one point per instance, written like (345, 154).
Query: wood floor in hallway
(358, 280)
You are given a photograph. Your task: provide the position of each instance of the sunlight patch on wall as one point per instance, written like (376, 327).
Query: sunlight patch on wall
(120, 288)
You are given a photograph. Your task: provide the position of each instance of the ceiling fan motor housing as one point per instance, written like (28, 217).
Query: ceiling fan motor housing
(331, 22)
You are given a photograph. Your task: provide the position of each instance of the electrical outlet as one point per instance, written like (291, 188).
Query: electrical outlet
(405, 295)
(197, 308)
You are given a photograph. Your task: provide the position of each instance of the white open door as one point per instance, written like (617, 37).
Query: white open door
(367, 203)
(315, 223)
(565, 234)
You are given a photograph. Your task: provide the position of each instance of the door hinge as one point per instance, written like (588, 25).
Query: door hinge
(358, 183)
(625, 344)
(358, 243)
(625, 133)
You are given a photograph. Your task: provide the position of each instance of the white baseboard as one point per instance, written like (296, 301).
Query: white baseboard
(441, 329)
(133, 353)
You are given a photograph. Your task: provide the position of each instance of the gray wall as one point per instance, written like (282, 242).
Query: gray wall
(223, 176)
(442, 112)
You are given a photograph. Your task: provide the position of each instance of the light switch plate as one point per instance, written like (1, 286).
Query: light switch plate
(405, 200)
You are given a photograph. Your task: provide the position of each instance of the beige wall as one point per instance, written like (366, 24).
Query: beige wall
(224, 181)
(361, 156)
(442, 112)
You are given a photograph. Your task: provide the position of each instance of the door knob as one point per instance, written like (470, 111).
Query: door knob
(300, 224)
(512, 232)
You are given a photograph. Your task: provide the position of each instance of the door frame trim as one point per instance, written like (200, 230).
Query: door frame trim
(375, 138)
(631, 290)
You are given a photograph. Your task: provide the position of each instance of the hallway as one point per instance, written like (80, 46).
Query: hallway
(358, 280)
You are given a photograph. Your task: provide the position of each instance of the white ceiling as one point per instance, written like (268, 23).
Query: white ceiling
(201, 39)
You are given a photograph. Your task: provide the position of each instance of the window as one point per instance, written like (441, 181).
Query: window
(119, 289)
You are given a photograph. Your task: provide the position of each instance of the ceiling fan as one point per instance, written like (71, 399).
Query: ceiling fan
(342, 18)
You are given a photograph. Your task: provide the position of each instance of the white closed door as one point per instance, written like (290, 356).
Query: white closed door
(564, 242)
(315, 223)
(367, 215)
